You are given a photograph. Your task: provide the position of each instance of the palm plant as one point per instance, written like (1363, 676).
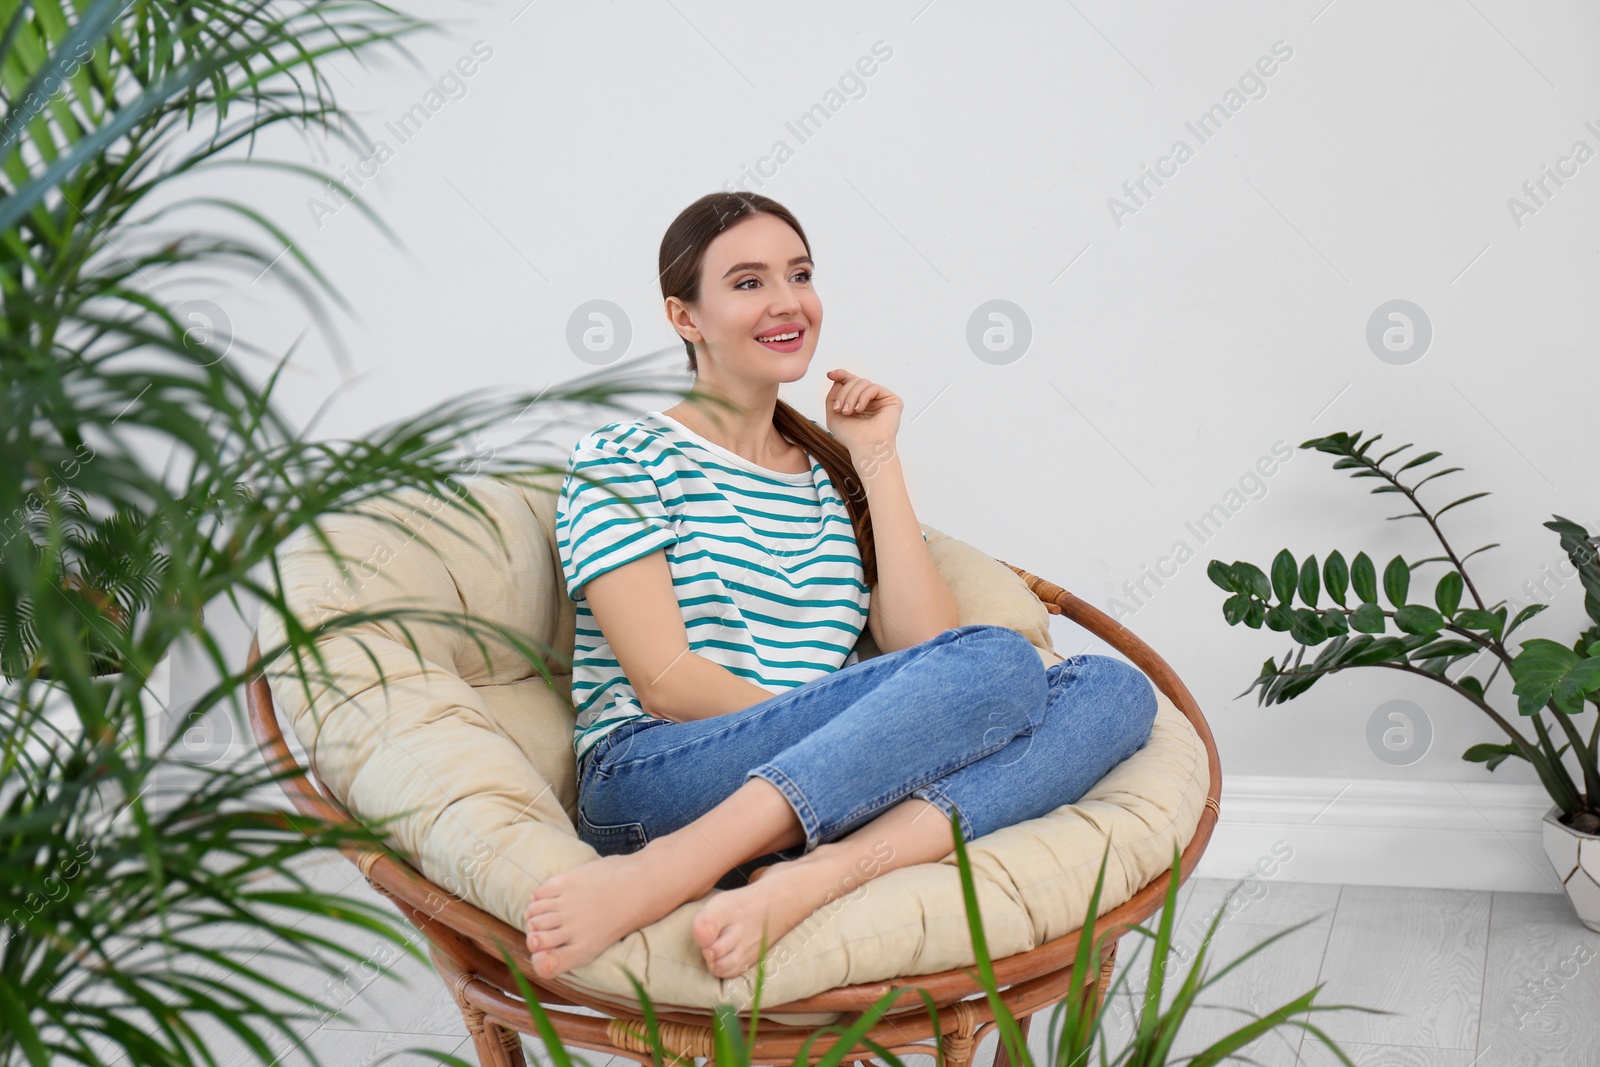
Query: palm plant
(1547, 675)
(118, 885)
(1077, 1025)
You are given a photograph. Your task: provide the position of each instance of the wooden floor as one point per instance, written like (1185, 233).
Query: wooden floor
(1472, 979)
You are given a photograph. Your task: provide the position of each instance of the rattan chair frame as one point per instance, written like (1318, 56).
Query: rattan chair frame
(465, 942)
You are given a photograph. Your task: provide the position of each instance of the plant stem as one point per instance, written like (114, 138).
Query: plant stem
(1553, 775)
(1557, 768)
(1411, 495)
(1586, 758)
(1586, 754)
(1529, 751)
(1488, 643)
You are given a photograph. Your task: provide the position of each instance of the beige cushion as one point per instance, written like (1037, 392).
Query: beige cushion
(467, 752)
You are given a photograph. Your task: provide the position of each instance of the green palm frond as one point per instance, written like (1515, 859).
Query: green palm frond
(123, 865)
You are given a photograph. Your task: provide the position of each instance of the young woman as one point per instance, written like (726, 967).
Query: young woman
(725, 555)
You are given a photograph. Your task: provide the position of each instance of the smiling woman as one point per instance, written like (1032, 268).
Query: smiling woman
(724, 570)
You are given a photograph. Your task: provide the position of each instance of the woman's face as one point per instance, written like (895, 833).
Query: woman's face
(756, 277)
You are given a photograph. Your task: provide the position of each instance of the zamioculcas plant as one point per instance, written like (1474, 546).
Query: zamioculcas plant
(1430, 634)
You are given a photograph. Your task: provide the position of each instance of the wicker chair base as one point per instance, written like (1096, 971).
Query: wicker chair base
(495, 1020)
(466, 943)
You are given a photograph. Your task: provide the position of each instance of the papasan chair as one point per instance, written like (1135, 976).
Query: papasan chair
(466, 750)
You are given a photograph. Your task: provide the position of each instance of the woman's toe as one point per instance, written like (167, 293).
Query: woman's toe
(547, 964)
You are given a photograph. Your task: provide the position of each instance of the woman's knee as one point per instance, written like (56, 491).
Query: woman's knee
(1013, 661)
(1013, 674)
(1002, 646)
(1123, 690)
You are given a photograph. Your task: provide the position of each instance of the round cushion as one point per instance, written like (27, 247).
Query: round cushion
(461, 740)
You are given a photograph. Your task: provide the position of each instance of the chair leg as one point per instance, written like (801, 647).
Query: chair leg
(957, 1046)
(1002, 1058)
(495, 1045)
(510, 1045)
(1107, 966)
(1093, 996)
(955, 1050)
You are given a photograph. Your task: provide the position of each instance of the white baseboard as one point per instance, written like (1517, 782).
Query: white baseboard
(1444, 835)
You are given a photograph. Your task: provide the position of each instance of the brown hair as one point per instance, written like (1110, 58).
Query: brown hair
(683, 252)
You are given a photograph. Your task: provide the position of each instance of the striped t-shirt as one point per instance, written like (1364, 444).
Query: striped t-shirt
(764, 563)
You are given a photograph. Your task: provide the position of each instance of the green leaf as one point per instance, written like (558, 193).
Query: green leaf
(1307, 628)
(1280, 617)
(1447, 594)
(1471, 685)
(1418, 619)
(1383, 650)
(1256, 615)
(1523, 616)
(1491, 755)
(1222, 575)
(1336, 576)
(1457, 503)
(1364, 578)
(1381, 460)
(1435, 474)
(1447, 647)
(1283, 576)
(1252, 579)
(1548, 671)
(1477, 619)
(1425, 457)
(1581, 547)
(1367, 619)
(1235, 608)
(1335, 622)
(1396, 581)
(1310, 582)
(1329, 657)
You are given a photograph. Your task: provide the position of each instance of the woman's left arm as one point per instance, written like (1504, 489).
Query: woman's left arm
(911, 602)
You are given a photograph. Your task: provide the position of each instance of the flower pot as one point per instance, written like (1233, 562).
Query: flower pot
(1576, 858)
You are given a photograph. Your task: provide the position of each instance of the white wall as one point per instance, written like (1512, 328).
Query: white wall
(1173, 347)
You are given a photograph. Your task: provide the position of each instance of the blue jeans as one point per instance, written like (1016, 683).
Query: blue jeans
(969, 720)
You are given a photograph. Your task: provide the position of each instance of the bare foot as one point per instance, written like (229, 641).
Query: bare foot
(728, 929)
(577, 914)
